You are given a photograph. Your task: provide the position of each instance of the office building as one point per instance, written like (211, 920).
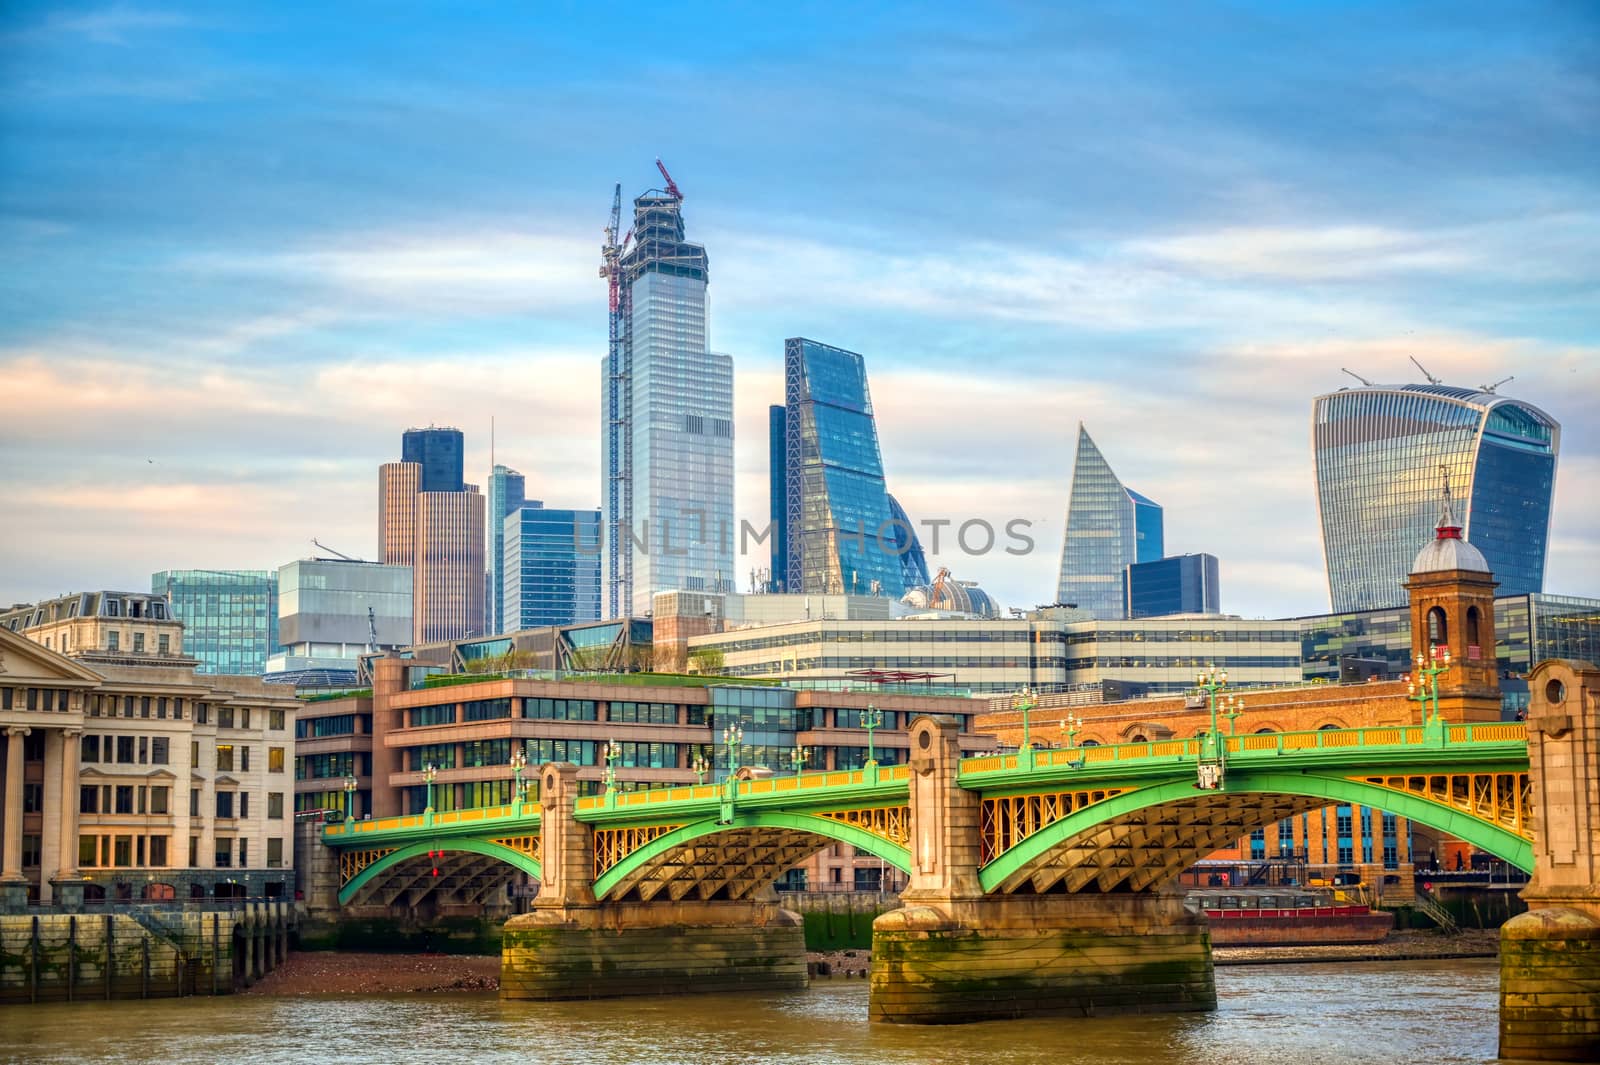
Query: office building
(441, 454)
(230, 617)
(1179, 584)
(1109, 527)
(666, 419)
(840, 532)
(127, 775)
(439, 534)
(507, 492)
(552, 567)
(908, 545)
(330, 611)
(777, 499)
(1381, 455)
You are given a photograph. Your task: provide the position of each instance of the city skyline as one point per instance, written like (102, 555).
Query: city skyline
(1175, 265)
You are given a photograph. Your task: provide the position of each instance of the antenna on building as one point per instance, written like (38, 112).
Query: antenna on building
(1358, 377)
(341, 554)
(1497, 384)
(1432, 380)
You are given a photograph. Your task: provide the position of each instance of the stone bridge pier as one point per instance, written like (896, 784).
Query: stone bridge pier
(954, 954)
(573, 945)
(1550, 956)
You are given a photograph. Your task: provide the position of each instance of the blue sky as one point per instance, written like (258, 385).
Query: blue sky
(243, 247)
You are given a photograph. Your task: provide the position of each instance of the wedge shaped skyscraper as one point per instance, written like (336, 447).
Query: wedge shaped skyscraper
(1109, 526)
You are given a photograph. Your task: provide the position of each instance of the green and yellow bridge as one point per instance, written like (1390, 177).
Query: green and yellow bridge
(1101, 819)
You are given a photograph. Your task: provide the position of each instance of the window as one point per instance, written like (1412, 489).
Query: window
(225, 804)
(160, 798)
(194, 851)
(194, 754)
(124, 799)
(194, 806)
(244, 804)
(88, 799)
(163, 643)
(224, 717)
(224, 757)
(202, 714)
(224, 853)
(30, 850)
(274, 759)
(244, 759)
(125, 750)
(244, 853)
(158, 847)
(161, 708)
(32, 797)
(144, 706)
(138, 645)
(112, 639)
(274, 853)
(122, 854)
(275, 805)
(144, 750)
(275, 720)
(158, 750)
(244, 720)
(88, 850)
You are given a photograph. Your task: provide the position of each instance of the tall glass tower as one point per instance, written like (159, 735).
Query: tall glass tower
(507, 492)
(667, 422)
(1381, 452)
(840, 528)
(439, 451)
(1109, 526)
(552, 567)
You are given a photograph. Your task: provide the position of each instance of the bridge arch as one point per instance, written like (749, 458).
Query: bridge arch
(1115, 842)
(734, 858)
(389, 863)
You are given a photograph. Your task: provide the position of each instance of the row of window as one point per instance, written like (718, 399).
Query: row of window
(130, 851)
(124, 750)
(308, 728)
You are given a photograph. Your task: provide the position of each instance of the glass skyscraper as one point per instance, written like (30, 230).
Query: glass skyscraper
(507, 492)
(552, 567)
(230, 616)
(667, 423)
(778, 497)
(839, 527)
(913, 563)
(1379, 451)
(1109, 527)
(440, 453)
(1181, 584)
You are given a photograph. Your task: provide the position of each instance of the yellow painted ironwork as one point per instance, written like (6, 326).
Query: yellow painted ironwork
(611, 845)
(1005, 821)
(524, 845)
(352, 862)
(1503, 799)
(892, 823)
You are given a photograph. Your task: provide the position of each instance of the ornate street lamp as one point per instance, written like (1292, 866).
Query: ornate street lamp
(700, 767)
(797, 758)
(1232, 707)
(519, 762)
(871, 718)
(1212, 681)
(1424, 686)
(1071, 725)
(612, 753)
(732, 737)
(1025, 700)
(429, 771)
(349, 797)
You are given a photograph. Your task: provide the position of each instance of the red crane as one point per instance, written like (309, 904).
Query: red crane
(672, 186)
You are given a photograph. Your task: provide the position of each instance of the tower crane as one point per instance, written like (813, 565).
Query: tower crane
(611, 250)
(672, 186)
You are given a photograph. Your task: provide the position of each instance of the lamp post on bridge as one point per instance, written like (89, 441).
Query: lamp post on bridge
(349, 798)
(519, 762)
(871, 718)
(797, 758)
(699, 765)
(1423, 686)
(1025, 700)
(1210, 769)
(1071, 725)
(732, 737)
(1232, 707)
(612, 753)
(429, 771)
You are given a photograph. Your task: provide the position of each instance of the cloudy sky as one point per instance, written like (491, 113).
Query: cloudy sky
(242, 247)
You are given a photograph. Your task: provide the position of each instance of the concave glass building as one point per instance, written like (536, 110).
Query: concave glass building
(1109, 527)
(1381, 455)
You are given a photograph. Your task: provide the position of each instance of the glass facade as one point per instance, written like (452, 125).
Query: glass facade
(667, 423)
(552, 567)
(323, 620)
(230, 617)
(1182, 584)
(841, 532)
(507, 492)
(913, 562)
(777, 499)
(1109, 527)
(1380, 453)
(768, 721)
(440, 454)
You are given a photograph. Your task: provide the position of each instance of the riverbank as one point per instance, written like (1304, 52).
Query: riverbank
(351, 973)
(1399, 946)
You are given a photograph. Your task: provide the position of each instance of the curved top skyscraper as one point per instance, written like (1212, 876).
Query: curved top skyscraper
(1381, 453)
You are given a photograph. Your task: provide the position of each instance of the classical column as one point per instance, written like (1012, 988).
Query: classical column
(70, 749)
(11, 853)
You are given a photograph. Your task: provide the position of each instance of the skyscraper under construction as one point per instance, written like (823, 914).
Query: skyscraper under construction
(667, 409)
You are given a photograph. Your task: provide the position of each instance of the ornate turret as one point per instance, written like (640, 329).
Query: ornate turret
(1452, 608)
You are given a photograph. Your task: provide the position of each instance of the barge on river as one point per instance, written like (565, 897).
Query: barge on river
(1287, 917)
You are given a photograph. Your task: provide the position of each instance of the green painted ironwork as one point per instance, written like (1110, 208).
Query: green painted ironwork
(416, 850)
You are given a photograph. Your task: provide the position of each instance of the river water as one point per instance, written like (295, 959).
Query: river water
(1435, 1012)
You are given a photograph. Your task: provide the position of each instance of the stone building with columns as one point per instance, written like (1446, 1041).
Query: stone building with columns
(124, 775)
